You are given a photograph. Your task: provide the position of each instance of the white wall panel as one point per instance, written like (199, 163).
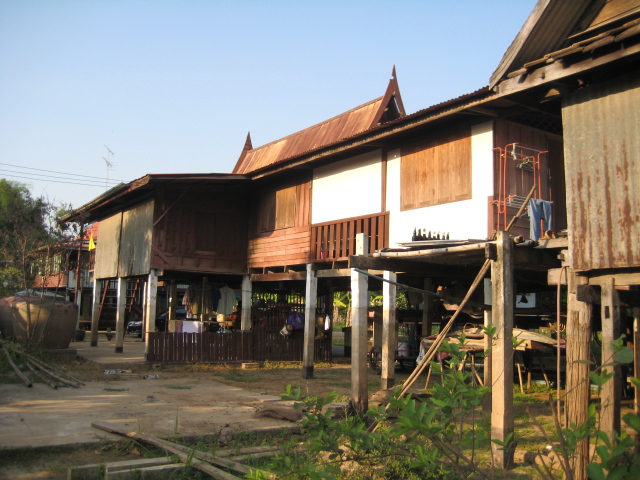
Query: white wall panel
(349, 188)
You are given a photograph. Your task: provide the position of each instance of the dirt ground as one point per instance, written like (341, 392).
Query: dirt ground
(269, 380)
(175, 387)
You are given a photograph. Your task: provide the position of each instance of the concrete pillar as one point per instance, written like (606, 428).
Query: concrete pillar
(150, 307)
(389, 330)
(611, 330)
(95, 311)
(310, 307)
(502, 352)
(359, 309)
(120, 312)
(245, 298)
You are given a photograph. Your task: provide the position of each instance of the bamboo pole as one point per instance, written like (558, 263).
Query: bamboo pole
(41, 376)
(56, 377)
(16, 370)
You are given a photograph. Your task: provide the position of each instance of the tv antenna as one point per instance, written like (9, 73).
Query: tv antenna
(109, 164)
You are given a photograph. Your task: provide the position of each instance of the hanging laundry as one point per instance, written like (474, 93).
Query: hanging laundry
(539, 210)
(227, 300)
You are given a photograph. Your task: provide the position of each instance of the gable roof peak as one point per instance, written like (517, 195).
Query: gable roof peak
(341, 127)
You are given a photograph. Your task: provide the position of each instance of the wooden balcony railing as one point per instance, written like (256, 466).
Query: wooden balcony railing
(331, 241)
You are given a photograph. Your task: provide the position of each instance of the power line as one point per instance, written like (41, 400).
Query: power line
(47, 177)
(53, 171)
(54, 181)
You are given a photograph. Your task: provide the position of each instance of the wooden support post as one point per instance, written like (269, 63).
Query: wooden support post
(389, 330)
(173, 302)
(636, 366)
(636, 360)
(359, 308)
(502, 352)
(245, 298)
(488, 344)
(610, 396)
(120, 311)
(427, 308)
(151, 297)
(95, 311)
(577, 383)
(310, 307)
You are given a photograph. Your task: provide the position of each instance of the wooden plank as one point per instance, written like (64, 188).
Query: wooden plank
(181, 452)
(89, 471)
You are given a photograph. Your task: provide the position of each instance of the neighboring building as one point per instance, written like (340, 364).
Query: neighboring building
(580, 61)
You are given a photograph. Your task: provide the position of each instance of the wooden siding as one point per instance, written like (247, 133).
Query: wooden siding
(51, 280)
(518, 181)
(289, 246)
(286, 246)
(436, 171)
(337, 240)
(178, 217)
(602, 149)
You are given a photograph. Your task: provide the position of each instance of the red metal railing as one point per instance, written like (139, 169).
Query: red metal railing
(332, 241)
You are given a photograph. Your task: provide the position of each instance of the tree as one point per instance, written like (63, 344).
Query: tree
(26, 225)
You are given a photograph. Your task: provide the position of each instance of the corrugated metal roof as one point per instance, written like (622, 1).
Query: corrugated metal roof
(341, 127)
(547, 29)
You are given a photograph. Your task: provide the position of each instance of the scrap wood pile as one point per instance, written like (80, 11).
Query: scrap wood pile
(217, 466)
(49, 374)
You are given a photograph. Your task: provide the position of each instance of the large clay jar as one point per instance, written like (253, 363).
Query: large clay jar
(53, 321)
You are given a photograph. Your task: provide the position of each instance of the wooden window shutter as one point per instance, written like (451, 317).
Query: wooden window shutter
(285, 208)
(436, 171)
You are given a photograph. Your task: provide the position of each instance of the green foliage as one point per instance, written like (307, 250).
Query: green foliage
(26, 226)
(409, 438)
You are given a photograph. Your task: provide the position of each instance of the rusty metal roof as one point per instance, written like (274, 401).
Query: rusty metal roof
(346, 125)
(565, 27)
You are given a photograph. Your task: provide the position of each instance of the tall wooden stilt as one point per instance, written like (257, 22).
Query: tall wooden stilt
(359, 308)
(120, 311)
(486, 377)
(611, 330)
(427, 308)
(310, 307)
(577, 374)
(151, 296)
(502, 351)
(173, 301)
(95, 311)
(389, 330)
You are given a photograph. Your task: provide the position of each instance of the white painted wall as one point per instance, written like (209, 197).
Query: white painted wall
(463, 220)
(349, 188)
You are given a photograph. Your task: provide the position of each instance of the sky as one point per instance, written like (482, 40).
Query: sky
(93, 92)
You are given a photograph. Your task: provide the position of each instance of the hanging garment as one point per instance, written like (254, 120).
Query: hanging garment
(227, 300)
(539, 210)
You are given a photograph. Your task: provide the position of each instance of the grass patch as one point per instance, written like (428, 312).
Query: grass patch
(178, 387)
(116, 389)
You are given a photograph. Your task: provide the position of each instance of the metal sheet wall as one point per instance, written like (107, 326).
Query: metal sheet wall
(602, 154)
(135, 243)
(106, 265)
